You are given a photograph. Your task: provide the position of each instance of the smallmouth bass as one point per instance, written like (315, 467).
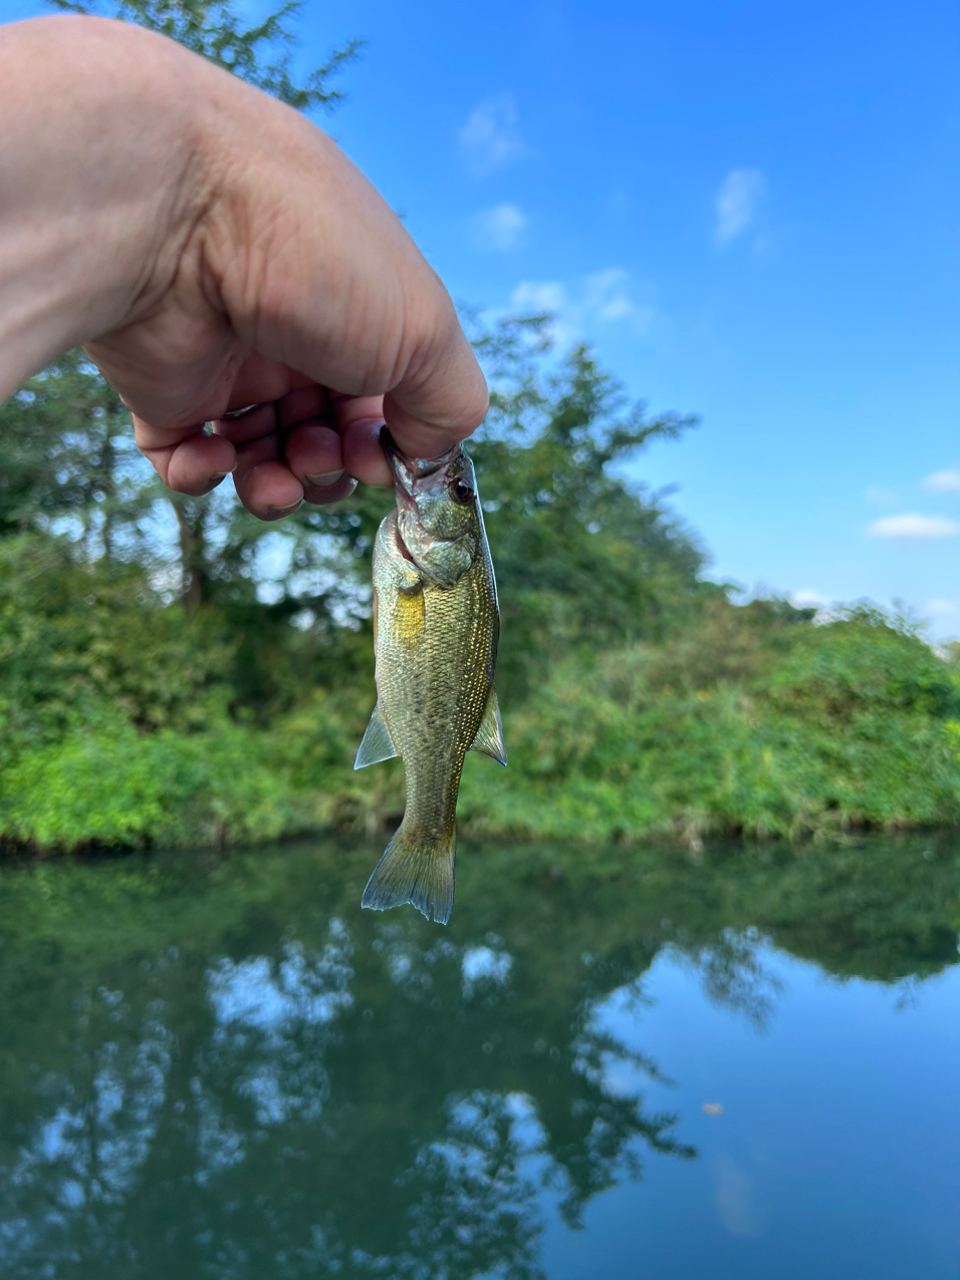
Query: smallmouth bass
(436, 625)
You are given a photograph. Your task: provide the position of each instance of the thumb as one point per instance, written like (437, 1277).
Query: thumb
(442, 396)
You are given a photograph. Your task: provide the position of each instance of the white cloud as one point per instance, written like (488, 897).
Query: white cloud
(913, 526)
(603, 297)
(806, 598)
(605, 294)
(882, 497)
(490, 137)
(542, 295)
(943, 482)
(501, 227)
(736, 203)
(535, 296)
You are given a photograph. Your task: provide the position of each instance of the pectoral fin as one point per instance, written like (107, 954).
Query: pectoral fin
(377, 744)
(489, 737)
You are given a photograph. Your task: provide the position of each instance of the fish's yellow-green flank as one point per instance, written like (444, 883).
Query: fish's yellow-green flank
(435, 637)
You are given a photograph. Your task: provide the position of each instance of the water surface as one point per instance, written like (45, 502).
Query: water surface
(612, 1063)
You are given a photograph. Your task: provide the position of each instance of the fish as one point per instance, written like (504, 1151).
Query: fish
(436, 623)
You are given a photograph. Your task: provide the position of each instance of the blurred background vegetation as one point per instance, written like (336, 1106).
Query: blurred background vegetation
(174, 672)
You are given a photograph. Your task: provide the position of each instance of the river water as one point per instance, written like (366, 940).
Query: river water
(612, 1064)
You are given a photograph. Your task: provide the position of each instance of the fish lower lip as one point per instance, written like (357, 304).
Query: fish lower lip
(407, 470)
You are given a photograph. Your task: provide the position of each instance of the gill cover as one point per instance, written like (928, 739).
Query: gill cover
(439, 525)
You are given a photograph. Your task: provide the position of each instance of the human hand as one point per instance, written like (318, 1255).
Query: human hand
(220, 253)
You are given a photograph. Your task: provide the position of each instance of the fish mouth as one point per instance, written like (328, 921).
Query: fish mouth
(407, 471)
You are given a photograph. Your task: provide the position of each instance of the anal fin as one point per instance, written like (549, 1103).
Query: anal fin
(376, 744)
(489, 737)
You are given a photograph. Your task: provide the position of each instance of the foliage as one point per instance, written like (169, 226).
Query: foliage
(81, 644)
(851, 724)
(260, 54)
(638, 698)
(69, 461)
(584, 558)
(220, 702)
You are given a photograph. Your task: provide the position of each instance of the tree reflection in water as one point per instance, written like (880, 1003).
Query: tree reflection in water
(236, 1074)
(358, 1108)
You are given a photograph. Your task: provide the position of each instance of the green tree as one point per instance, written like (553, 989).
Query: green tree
(585, 558)
(69, 460)
(261, 54)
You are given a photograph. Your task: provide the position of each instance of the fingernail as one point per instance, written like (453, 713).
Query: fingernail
(326, 478)
(341, 491)
(230, 414)
(285, 511)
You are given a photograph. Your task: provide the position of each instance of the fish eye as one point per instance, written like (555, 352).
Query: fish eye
(461, 493)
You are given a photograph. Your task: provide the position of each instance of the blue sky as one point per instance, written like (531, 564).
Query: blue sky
(753, 212)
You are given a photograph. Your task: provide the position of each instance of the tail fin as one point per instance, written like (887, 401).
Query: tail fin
(417, 871)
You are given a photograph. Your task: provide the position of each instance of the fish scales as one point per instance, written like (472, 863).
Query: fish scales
(433, 681)
(436, 627)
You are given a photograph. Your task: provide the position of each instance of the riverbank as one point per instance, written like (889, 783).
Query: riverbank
(851, 725)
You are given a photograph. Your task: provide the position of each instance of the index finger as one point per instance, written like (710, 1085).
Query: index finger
(186, 459)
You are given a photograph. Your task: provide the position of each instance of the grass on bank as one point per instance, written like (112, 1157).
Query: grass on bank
(748, 721)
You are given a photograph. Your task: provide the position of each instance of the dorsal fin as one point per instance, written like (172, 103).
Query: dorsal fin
(489, 737)
(377, 744)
